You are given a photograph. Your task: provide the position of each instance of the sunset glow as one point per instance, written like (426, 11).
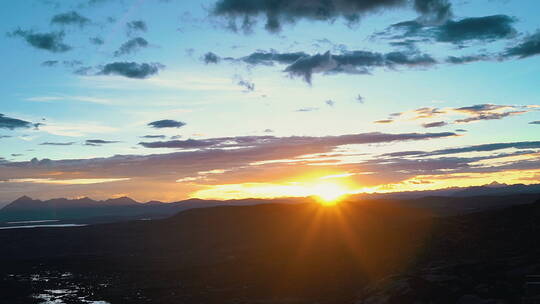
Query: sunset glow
(176, 99)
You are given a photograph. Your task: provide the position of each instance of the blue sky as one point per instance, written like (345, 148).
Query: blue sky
(76, 103)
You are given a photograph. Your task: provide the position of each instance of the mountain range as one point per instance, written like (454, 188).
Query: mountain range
(87, 211)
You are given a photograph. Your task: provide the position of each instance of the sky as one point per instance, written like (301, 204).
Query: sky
(169, 99)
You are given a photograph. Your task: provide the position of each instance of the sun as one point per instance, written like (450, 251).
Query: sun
(329, 193)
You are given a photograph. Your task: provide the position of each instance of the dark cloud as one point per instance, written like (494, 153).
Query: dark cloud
(460, 130)
(330, 103)
(154, 136)
(136, 26)
(13, 123)
(268, 131)
(467, 58)
(97, 40)
(279, 12)
(352, 62)
(50, 63)
(66, 63)
(70, 18)
(5, 136)
(181, 144)
(210, 58)
(486, 29)
(537, 122)
(487, 112)
(490, 116)
(99, 142)
(435, 124)
(247, 85)
(273, 142)
(268, 58)
(53, 41)
(131, 69)
(166, 123)
(57, 143)
(71, 63)
(476, 148)
(16, 154)
(130, 46)
(530, 46)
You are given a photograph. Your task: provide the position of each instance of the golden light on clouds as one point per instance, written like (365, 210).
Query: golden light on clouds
(433, 182)
(328, 189)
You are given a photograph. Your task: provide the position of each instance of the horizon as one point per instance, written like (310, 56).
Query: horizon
(173, 100)
(314, 197)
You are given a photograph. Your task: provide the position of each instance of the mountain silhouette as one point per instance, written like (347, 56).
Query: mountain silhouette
(86, 210)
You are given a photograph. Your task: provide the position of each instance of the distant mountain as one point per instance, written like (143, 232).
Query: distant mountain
(86, 210)
(491, 189)
(499, 189)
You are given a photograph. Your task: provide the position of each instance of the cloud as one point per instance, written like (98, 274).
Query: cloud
(268, 58)
(484, 29)
(247, 85)
(349, 62)
(488, 28)
(487, 112)
(279, 12)
(475, 148)
(536, 122)
(130, 69)
(97, 40)
(136, 26)
(160, 171)
(57, 143)
(70, 98)
(130, 46)
(5, 136)
(50, 63)
(309, 109)
(52, 42)
(360, 99)
(98, 142)
(435, 124)
(529, 46)
(330, 103)
(210, 58)
(70, 18)
(154, 136)
(65, 63)
(384, 121)
(14, 123)
(468, 58)
(473, 113)
(274, 142)
(166, 123)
